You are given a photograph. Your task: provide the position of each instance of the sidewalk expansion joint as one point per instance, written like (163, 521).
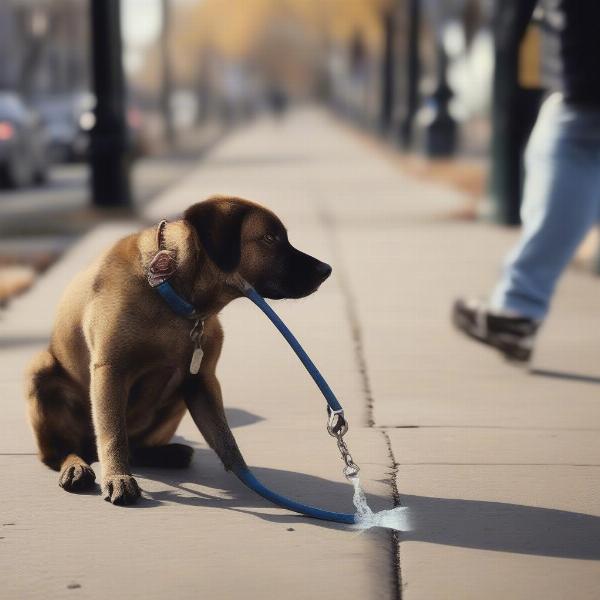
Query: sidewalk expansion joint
(395, 535)
(500, 427)
(328, 222)
(497, 464)
(18, 453)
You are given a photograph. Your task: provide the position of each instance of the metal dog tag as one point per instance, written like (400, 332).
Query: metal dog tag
(196, 336)
(196, 360)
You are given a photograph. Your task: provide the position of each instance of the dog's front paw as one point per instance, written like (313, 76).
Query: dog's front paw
(121, 490)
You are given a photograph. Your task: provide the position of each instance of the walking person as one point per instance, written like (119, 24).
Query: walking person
(561, 195)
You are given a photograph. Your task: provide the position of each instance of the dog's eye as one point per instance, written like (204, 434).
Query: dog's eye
(270, 238)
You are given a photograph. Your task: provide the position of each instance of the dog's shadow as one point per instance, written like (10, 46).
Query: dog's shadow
(476, 524)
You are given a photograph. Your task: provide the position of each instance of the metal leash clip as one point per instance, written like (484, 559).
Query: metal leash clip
(337, 427)
(336, 423)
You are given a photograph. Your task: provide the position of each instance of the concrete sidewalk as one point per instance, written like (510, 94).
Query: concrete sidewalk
(499, 466)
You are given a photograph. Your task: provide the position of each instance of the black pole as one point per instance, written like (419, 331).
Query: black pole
(514, 109)
(167, 82)
(387, 72)
(413, 72)
(110, 155)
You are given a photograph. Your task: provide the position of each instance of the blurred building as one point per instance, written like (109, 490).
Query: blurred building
(48, 45)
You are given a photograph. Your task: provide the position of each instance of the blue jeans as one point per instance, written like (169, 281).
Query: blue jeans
(561, 202)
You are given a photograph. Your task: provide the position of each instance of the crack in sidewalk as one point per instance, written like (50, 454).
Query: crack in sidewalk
(393, 481)
(328, 223)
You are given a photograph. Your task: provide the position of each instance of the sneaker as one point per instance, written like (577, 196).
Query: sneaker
(513, 335)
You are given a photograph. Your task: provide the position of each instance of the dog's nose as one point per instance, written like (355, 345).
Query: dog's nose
(324, 270)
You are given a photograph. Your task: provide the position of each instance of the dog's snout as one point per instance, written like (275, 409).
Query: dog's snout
(324, 270)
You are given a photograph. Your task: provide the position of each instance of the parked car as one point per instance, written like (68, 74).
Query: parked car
(68, 119)
(23, 143)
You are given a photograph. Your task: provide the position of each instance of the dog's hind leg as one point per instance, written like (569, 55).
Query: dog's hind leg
(152, 448)
(61, 421)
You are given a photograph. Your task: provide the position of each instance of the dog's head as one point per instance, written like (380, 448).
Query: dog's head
(241, 237)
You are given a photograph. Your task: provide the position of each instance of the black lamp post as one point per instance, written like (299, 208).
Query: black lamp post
(440, 127)
(110, 154)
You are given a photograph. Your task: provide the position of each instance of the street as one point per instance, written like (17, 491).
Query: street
(67, 189)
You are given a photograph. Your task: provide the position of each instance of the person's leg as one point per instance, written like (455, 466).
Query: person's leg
(561, 204)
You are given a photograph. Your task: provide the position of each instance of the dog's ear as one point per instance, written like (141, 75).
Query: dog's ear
(218, 224)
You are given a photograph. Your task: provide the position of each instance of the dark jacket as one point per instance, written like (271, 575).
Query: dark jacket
(571, 50)
(571, 45)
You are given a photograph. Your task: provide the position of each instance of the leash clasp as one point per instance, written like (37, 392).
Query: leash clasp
(337, 427)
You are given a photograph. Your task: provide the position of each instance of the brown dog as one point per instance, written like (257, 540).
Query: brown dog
(115, 382)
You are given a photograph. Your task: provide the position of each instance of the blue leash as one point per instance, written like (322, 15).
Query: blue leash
(332, 401)
(337, 425)
(247, 477)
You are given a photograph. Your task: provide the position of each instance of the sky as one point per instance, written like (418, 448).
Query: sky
(141, 22)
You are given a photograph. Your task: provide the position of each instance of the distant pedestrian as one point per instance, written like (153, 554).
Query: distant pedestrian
(561, 196)
(277, 100)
